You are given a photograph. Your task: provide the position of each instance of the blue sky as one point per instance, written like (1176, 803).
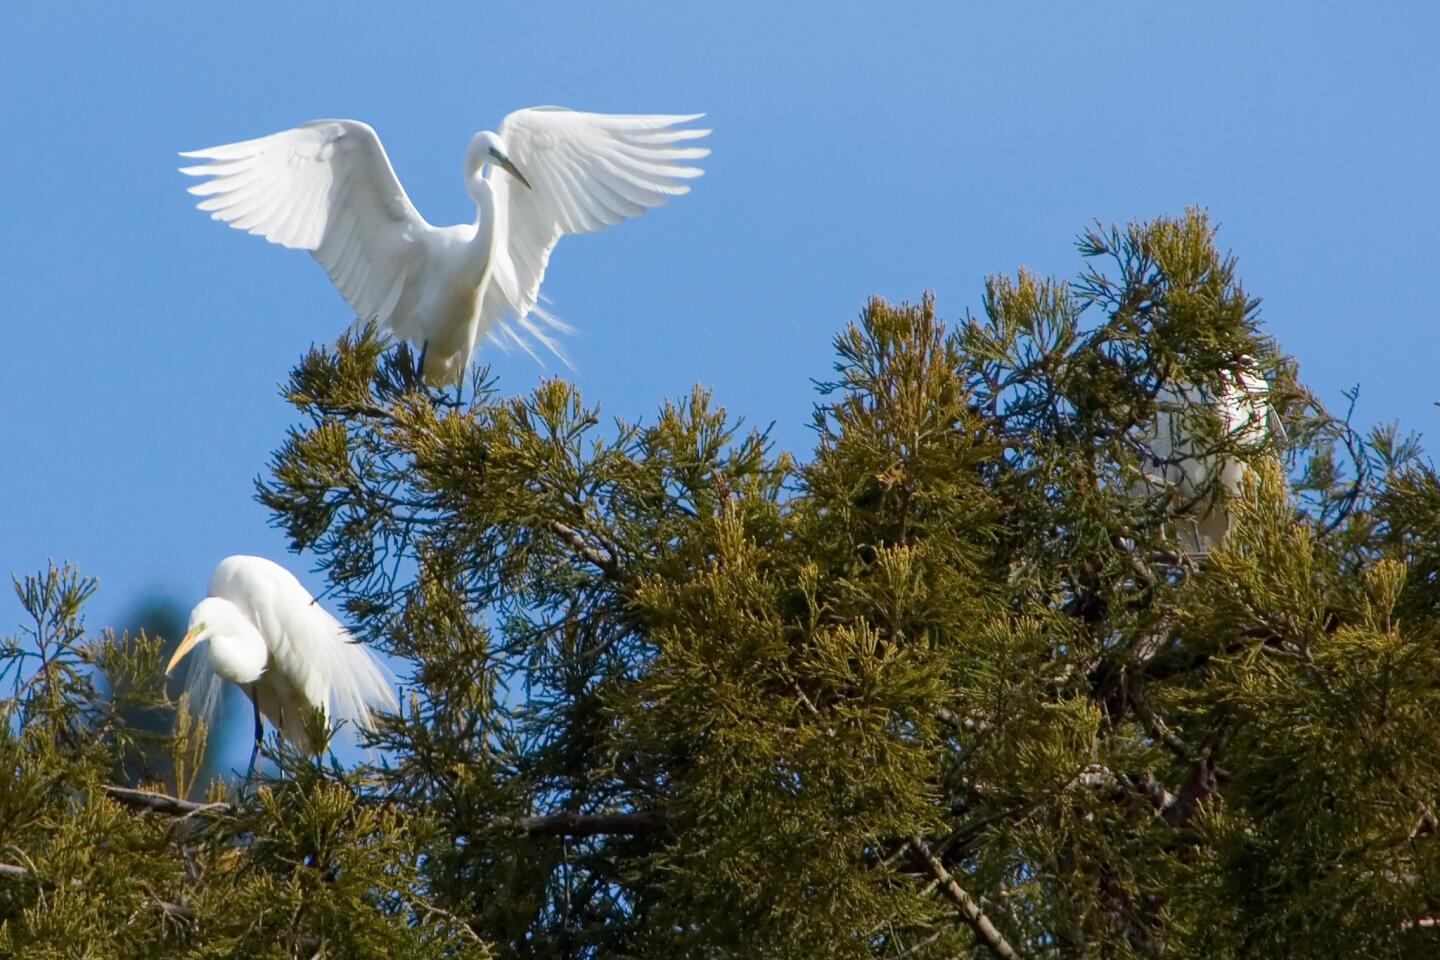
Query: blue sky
(859, 148)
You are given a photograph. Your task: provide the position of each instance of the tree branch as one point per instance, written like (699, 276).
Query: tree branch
(1156, 726)
(175, 911)
(969, 909)
(1171, 663)
(587, 552)
(15, 873)
(162, 803)
(641, 823)
(1200, 786)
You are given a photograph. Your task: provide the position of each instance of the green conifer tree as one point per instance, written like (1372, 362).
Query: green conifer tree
(949, 686)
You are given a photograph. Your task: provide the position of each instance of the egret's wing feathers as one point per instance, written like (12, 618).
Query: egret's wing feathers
(326, 187)
(587, 171)
(327, 665)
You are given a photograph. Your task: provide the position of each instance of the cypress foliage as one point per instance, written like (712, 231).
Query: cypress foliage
(949, 686)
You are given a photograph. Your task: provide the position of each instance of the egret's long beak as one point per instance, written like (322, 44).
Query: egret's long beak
(190, 640)
(508, 165)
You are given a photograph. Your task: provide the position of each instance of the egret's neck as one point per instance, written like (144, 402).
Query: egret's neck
(238, 651)
(240, 658)
(478, 258)
(483, 193)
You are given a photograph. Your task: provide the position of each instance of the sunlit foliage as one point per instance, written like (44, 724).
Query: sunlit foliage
(947, 685)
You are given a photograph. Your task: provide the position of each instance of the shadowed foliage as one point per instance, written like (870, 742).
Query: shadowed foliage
(947, 686)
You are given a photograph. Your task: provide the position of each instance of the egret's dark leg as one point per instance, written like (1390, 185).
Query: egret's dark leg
(420, 367)
(259, 738)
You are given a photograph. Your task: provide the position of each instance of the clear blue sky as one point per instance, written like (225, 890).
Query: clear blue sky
(859, 148)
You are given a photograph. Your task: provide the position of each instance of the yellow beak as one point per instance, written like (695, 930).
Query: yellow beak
(190, 639)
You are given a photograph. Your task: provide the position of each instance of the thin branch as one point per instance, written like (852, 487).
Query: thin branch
(430, 910)
(175, 911)
(1201, 785)
(1156, 726)
(13, 872)
(893, 859)
(584, 550)
(968, 723)
(641, 823)
(1153, 790)
(1171, 662)
(804, 699)
(163, 803)
(1425, 823)
(912, 951)
(969, 909)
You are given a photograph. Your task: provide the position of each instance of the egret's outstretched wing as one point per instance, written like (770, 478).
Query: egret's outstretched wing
(312, 649)
(587, 171)
(327, 187)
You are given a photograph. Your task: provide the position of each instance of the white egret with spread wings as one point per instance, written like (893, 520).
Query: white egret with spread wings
(270, 637)
(328, 187)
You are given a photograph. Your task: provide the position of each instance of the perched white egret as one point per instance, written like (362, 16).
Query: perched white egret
(328, 187)
(1179, 459)
(267, 635)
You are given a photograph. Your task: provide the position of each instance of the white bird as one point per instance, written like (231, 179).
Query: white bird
(328, 187)
(270, 637)
(1183, 457)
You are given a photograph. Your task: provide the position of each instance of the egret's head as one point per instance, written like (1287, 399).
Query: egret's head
(237, 651)
(485, 148)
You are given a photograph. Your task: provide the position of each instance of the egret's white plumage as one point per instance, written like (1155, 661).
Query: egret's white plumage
(268, 635)
(328, 187)
(1183, 457)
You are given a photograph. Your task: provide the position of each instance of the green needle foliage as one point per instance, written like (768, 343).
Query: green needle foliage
(951, 686)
